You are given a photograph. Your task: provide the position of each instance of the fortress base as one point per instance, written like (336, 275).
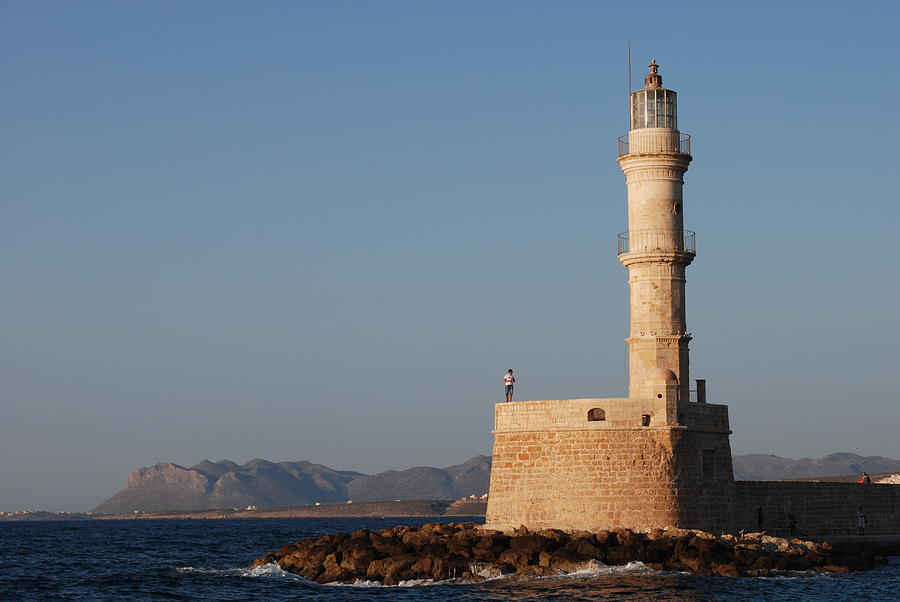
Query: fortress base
(604, 463)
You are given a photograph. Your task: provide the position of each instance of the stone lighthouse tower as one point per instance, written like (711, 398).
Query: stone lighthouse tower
(655, 458)
(656, 249)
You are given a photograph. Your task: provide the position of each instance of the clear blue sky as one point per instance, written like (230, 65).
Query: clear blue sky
(324, 230)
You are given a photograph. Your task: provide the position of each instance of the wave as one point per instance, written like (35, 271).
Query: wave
(595, 567)
(266, 570)
(372, 583)
(590, 568)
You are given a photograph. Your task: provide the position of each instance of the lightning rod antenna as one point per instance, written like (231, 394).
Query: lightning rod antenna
(629, 66)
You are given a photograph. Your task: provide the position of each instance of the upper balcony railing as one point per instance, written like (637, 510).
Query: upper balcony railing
(651, 141)
(657, 240)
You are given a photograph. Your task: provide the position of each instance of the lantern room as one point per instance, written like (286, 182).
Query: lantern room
(654, 106)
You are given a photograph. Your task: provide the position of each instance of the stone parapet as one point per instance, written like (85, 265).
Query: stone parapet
(707, 417)
(565, 414)
(818, 508)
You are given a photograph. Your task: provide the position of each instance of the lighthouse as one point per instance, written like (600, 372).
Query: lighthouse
(655, 458)
(656, 249)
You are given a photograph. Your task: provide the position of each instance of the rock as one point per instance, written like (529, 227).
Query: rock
(398, 570)
(460, 548)
(764, 563)
(553, 538)
(267, 559)
(387, 546)
(528, 543)
(629, 539)
(333, 571)
(569, 561)
(537, 571)
(587, 548)
(727, 570)
(517, 558)
(357, 560)
(605, 538)
(377, 569)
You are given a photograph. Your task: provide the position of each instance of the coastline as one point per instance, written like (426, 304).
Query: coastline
(396, 509)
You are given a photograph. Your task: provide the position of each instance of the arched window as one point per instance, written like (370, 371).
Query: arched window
(596, 414)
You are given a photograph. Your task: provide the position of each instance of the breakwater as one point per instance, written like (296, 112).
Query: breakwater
(472, 553)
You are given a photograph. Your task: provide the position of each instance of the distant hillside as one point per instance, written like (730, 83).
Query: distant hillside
(225, 484)
(763, 467)
(264, 484)
(424, 483)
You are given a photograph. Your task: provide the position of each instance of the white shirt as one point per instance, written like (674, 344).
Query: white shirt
(509, 379)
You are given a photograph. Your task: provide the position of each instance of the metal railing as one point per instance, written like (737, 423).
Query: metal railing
(652, 142)
(657, 240)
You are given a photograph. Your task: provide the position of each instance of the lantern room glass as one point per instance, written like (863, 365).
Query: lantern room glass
(654, 108)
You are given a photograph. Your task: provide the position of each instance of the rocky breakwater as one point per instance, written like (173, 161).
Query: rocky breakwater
(472, 553)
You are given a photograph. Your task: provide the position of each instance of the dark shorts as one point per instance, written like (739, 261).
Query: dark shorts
(509, 389)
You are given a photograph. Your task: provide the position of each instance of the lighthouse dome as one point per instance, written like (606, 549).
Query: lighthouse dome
(663, 375)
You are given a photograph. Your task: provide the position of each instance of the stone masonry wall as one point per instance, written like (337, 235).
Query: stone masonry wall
(552, 467)
(819, 508)
(583, 479)
(705, 481)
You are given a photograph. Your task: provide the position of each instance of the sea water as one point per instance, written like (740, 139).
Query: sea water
(207, 560)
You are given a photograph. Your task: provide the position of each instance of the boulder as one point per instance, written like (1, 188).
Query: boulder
(387, 545)
(569, 561)
(527, 543)
(357, 560)
(399, 569)
(516, 558)
(727, 570)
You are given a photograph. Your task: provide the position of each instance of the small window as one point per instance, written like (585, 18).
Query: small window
(645, 419)
(708, 466)
(677, 208)
(596, 414)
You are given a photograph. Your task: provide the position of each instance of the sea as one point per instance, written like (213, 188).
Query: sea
(208, 559)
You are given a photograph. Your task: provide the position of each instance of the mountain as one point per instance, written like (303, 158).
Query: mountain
(764, 467)
(225, 484)
(424, 483)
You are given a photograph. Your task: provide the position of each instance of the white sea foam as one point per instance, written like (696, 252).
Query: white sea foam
(266, 570)
(588, 569)
(272, 570)
(362, 583)
(416, 582)
(368, 583)
(595, 567)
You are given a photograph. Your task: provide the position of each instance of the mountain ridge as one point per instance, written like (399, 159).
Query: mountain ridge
(769, 467)
(225, 484)
(262, 483)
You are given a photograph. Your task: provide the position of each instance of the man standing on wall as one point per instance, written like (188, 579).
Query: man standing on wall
(508, 380)
(861, 520)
